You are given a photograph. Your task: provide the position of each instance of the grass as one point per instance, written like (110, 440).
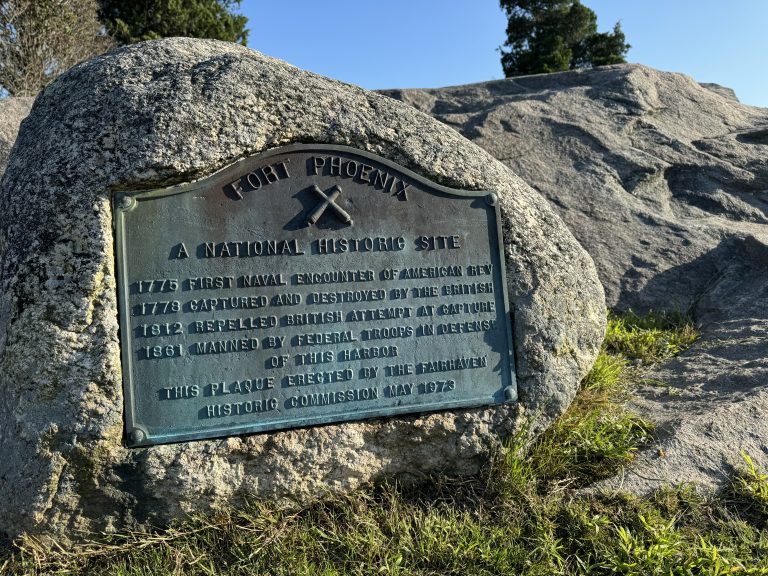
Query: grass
(523, 515)
(649, 338)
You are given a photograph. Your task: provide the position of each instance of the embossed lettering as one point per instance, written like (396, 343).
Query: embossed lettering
(382, 180)
(283, 167)
(155, 330)
(235, 324)
(466, 327)
(350, 168)
(366, 315)
(462, 289)
(323, 338)
(365, 173)
(369, 372)
(308, 318)
(367, 353)
(425, 330)
(436, 386)
(425, 311)
(273, 342)
(313, 378)
(398, 293)
(252, 280)
(314, 358)
(240, 408)
(150, 308)
(341, 245)
(389, 332)
(155, 286)
(344, 297)
(287, 299)
(180, 392)
(225, 346)
(398, 390)
(400, 310)
(333, 277)
(230, 303)
(460, 363)
(260, 177)
(250, 249)
(438, 242)
(424, 291)
(160, 352)
(328, 398)
(181, 251)
(335, 166)
(483, 269)
(317, 163)
(210, 283)
(269, 174)
(244, 386)
(254, 181)
(430, 272)
(277, 361)
(466, 308)
(402, 188)
(398, 369)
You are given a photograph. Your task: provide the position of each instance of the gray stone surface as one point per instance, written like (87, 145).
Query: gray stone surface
(173, 111)
(665, 183)
(724, 91)
(12, 112)
(711, 402)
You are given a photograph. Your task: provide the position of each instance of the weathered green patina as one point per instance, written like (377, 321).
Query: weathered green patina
(307, 285)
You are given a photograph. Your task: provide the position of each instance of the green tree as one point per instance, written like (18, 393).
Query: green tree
(555, 35)
(130, 21)
(40, 39)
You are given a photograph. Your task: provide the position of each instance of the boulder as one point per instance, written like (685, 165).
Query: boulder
(175, 111)
(664, 182)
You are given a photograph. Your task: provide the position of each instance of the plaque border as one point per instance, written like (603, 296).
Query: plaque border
(124, 201)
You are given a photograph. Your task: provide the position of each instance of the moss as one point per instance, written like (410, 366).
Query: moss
(86, 463)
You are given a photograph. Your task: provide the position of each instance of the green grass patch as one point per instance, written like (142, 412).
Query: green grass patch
(649, 338)
(520, 516)
(598, 435)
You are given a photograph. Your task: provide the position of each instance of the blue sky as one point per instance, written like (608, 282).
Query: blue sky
(431, 43)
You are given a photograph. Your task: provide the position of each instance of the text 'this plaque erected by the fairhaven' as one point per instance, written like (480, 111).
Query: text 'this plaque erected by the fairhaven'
(308, 285)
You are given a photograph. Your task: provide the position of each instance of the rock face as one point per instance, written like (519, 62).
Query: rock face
(710, 403)
(12, 112)
(173, 111)
(665, 183)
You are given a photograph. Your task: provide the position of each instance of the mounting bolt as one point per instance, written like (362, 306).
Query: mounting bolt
(127, 203)
(491, 199)
(510, 394)
(137, 435)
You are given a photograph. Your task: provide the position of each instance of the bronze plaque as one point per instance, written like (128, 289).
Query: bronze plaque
(307, 285)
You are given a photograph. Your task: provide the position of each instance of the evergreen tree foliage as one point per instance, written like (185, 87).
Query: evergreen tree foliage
(130, 21)
(40, 39)
(555, 35)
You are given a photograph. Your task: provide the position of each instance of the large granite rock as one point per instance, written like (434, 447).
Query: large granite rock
(665, 183)
(12, 112)
(177, 110)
